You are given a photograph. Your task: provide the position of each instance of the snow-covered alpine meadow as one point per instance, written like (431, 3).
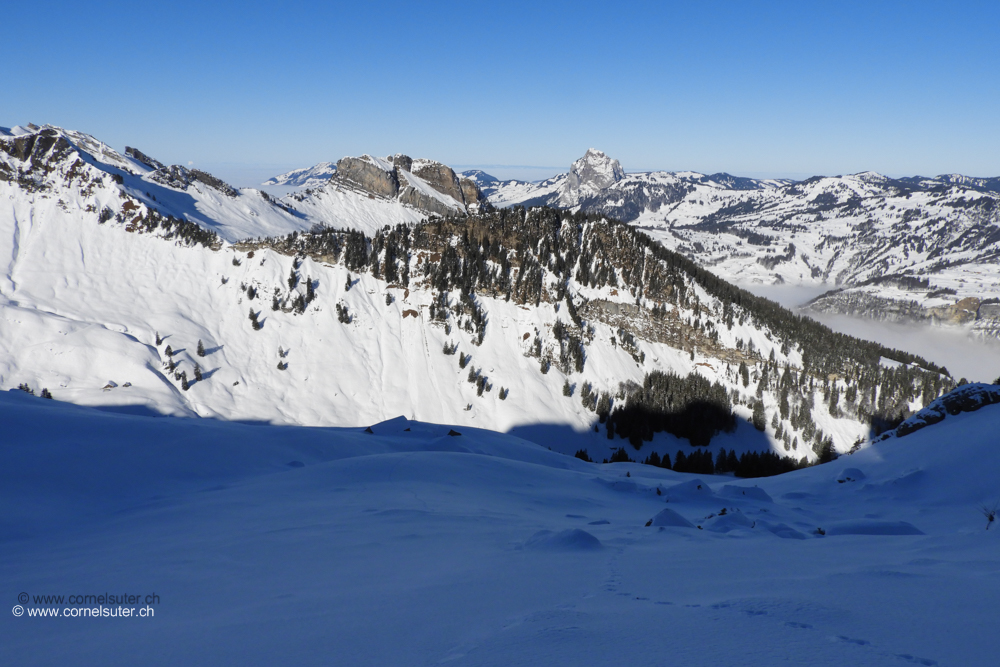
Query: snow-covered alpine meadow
(408, 546)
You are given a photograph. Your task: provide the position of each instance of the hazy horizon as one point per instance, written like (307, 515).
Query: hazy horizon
(782, 89)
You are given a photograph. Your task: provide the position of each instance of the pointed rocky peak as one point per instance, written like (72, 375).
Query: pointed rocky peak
(594, 172)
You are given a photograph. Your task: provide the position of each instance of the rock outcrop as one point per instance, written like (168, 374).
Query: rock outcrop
(370, 174)
(964, 311)
(139, 156)
(426, 185)
(967, 398)
(180, 178)
(592, 173)
(439, 176)
(471, 192)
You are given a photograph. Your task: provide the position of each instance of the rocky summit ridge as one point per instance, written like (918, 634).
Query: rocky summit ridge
(426, 185)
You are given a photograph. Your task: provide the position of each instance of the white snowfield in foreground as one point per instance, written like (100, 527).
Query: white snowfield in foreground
(330, 546)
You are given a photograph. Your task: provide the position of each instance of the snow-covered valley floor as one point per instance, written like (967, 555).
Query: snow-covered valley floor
(329, 546)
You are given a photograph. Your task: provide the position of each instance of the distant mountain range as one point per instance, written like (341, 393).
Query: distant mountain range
(909, 249)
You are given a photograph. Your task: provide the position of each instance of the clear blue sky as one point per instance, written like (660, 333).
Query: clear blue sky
(753, 88)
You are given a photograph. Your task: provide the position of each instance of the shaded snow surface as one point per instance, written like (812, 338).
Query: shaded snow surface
(332, 546)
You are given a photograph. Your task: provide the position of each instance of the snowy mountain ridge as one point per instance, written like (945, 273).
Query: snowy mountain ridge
(570, 316)
(307, 177)
(912, 249)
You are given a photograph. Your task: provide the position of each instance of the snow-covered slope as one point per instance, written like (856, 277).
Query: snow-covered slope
(596, 183)
(48, 166)
(900, 251)
(307, 177)
(341, 207)
(51, 172)
(913, 249)
(571, 317)
(267, 545)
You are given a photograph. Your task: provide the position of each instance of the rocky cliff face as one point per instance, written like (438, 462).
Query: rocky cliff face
(416, 193)
(371, 174)
(592, 173)
(987, 324)
(471, 192)
(180, 178)
(439, 176)
(427, 185)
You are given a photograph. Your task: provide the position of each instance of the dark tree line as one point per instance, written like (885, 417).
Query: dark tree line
(688, 407)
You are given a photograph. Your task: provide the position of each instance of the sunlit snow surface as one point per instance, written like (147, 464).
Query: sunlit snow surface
(81, 304)
(282, 545)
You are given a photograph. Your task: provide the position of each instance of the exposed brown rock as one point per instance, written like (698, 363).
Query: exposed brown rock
(392, 177)
(441, 177)
(365, 173)
(470, 192)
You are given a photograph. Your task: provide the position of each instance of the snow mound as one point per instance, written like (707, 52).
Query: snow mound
(392, 426)
(782, 530)
(746, 493)
(850, 475)
(626, 485)
(314, 176)
(668, 517)
(692, 490)
(566, 540)
(725, 523)
(872, 527)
